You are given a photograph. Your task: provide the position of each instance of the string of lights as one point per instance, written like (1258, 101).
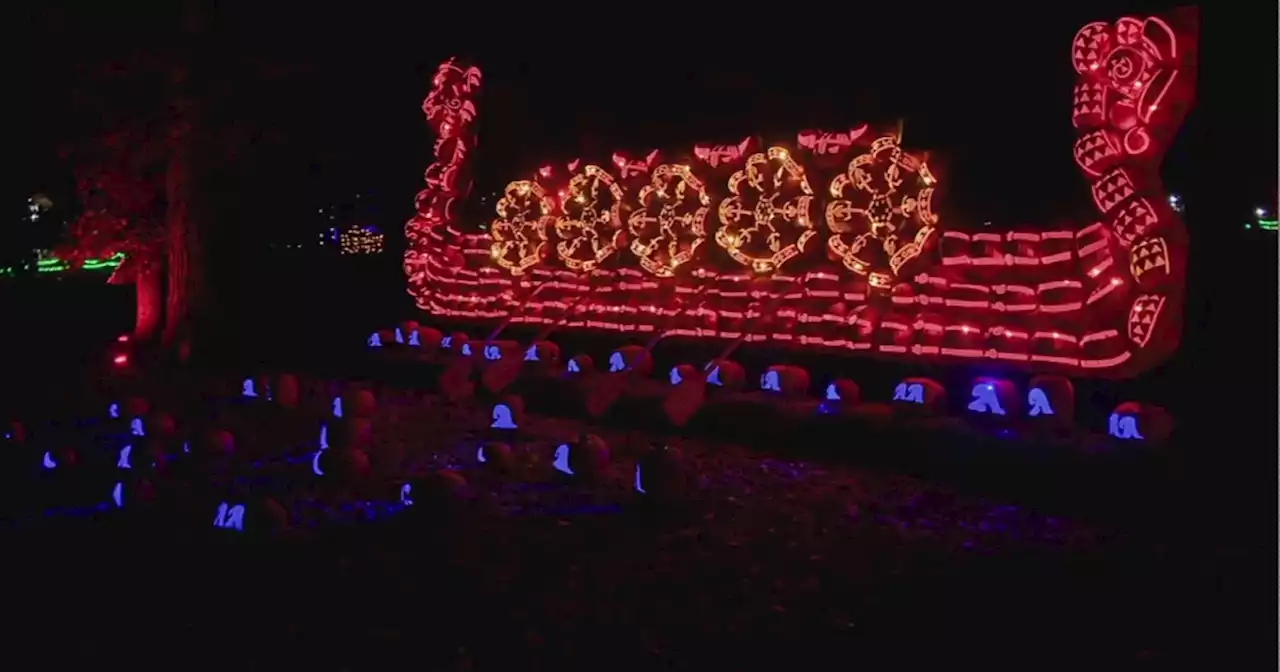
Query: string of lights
(361, 240)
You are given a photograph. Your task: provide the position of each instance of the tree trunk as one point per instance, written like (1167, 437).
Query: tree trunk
(184, 245)
(148, 282)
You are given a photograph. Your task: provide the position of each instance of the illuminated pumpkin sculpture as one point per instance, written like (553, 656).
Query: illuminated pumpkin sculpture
(994, 399)
(1134, 422)
(661, 475)
(587, 458)
(746, 222)
(687, 393)
(495, 456)
(627, 374)
(1051, 401)
(840, 397)
(506, 415)
(500, 363)
(920, 396)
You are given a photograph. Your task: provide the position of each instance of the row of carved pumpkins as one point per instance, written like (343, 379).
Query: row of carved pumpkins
(1048, 399)
(657, 472)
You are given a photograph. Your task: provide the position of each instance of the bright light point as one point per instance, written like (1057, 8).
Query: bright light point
(1260, 212)
(121, 360)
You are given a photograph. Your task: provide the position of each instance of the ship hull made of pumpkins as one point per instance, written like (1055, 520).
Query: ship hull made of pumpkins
(831, 241)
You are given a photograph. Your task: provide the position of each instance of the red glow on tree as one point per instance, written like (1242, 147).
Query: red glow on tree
(120, 189)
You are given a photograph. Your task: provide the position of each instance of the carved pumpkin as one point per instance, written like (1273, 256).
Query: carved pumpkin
(500, 363)
(543, 353)
(507, 413)
(682, 372)
(1134, 421)
(726, 375)
(994, 398)
(841, 395)
(1050, 400)
(632, 358)
(660, 474)
(686, 396)
(495, 456)
(920, 395)
(456, 344)
(429, 340)
(428, 497)
(788, 382)
(587, 458)
(579, 365)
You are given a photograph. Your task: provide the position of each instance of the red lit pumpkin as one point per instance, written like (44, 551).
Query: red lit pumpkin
(789, 382)
(544, 353)
(1050, 400)
(920, 395)
(685, 397)
(994, 398)
(660, 474)
(632, 358)
(495, 456)
(589, 457)
(507, 413)
(1136, 421)
(842, 394)
(725, 374)
(579, 365)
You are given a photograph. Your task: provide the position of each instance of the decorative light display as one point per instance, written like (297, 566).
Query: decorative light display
(591, 228)
(865, 263)
(886, 219)
(670, 223)
(520, 232)
(361, 240)
(49, 264)
(431, 235)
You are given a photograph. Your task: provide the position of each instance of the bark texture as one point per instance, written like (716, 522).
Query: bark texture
(149, 284)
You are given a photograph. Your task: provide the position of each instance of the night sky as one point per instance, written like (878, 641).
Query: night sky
(986, 89)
